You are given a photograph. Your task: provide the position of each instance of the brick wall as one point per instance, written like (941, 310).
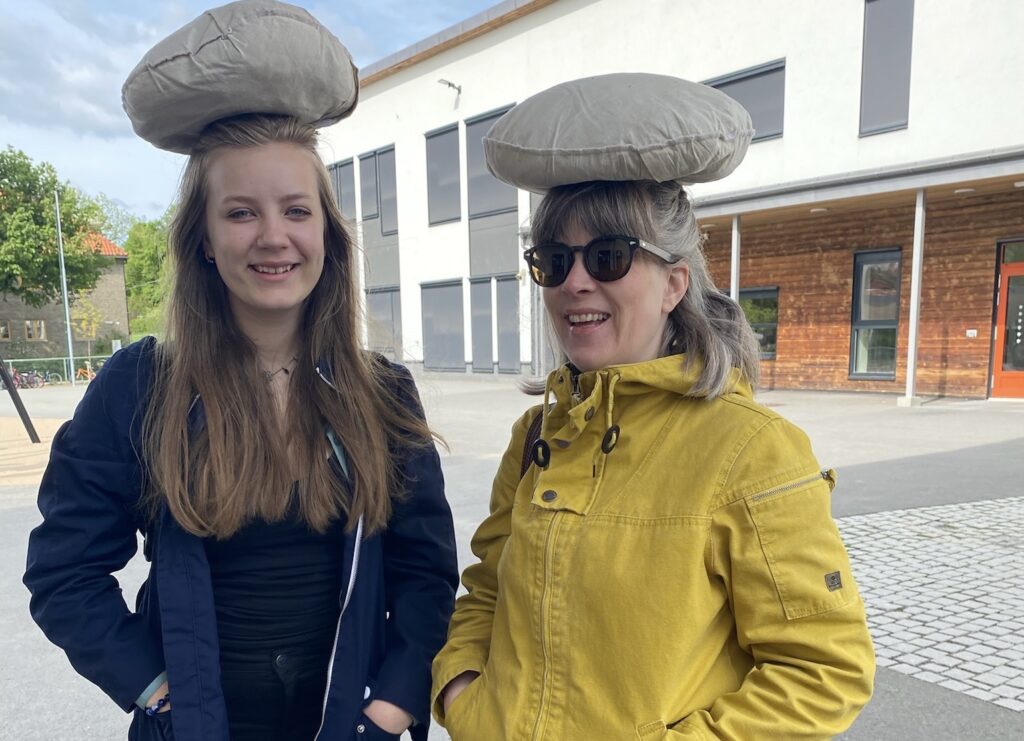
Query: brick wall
(811, 261)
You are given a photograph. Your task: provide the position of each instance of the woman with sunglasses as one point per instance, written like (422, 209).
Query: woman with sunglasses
(660, 561)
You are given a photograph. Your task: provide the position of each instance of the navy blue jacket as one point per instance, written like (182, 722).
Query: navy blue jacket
(398, 586)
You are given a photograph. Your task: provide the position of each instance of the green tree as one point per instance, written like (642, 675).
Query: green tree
(116, 221)
(86, 321)
(29, 264)
(146, 274)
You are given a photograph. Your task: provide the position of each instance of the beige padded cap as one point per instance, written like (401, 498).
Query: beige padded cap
(624, 126)
(252, 56)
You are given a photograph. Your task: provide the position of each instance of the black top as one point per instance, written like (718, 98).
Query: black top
(275, 585)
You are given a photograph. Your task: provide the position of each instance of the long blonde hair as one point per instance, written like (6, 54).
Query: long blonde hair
(706, 325)
(238, 463)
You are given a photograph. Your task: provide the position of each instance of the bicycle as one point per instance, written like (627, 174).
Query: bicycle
(51, 377)
(85, 374)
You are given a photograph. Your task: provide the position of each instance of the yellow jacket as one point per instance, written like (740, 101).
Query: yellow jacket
(688, 584)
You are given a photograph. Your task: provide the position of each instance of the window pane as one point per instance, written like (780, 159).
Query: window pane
(368, 185)
(875, 351)
(5, 330)
(879, 298)
(388, 197)
(1013, 352)
(345, 189)
(1013, 252)
(885, 75)
(487, 194)
(443, 177)
(762, 311)
(763, 95)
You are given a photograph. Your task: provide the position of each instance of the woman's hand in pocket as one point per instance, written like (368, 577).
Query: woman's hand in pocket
(387, 716)
(455, 687)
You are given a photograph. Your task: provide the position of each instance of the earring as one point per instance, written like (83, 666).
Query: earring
(209, 259)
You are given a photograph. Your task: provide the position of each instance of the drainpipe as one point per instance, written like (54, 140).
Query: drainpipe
(734, 271)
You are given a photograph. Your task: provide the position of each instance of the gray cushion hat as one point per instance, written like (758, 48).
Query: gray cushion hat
(251, 56)
(623, 126)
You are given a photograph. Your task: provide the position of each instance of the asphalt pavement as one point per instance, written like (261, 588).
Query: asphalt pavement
(930, 501)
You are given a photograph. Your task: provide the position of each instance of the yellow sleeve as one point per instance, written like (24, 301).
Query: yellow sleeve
(469, 633)
(796, 605)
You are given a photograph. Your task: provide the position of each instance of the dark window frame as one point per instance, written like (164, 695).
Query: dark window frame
(867, 257)
(492, 114)
(434, 134)
(750, 73)
(899, 126)
(764, 292)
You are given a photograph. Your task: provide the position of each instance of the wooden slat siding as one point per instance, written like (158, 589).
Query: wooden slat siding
(811, 262)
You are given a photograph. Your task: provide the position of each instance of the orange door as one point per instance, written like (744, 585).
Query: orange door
(1008, 354)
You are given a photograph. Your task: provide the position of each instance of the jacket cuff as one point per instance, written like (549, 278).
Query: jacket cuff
(150, 689)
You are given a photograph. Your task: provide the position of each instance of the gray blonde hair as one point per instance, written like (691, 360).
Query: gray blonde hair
(706, 324)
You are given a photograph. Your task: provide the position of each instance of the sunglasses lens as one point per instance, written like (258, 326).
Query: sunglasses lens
(549, 264)
(608, 259)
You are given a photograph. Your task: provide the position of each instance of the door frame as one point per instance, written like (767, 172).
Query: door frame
(1004, 271)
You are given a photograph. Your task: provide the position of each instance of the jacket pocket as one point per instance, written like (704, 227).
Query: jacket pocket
(802, 546)
(460, 706)
(156, 727)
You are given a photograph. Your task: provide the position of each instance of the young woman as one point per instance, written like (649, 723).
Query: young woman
(302, 551)
(667, 567)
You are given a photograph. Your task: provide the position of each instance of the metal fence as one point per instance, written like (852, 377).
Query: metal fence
(57, 368)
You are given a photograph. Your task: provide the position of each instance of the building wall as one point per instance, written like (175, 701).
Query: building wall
(108, 296)
(964, 99)
(811, 261)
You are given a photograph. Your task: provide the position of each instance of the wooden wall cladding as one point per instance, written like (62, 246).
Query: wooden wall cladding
(811, 262)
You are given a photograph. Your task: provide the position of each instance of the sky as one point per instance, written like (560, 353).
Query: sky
(62, 64)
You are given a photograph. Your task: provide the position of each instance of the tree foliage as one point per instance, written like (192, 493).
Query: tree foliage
(29, 263)
(116, 220)
(146, 274)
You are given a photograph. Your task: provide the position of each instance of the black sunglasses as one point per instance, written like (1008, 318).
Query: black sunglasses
(606, 258)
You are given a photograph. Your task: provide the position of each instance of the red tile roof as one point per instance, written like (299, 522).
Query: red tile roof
(103, 246)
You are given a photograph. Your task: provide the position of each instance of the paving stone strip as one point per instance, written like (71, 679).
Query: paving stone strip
(944, 589)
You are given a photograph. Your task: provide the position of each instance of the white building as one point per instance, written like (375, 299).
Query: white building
(867, 111)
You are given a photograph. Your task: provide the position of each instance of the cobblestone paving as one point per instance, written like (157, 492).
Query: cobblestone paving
(944, 589)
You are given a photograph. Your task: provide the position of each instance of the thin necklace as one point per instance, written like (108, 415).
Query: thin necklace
(268, 376)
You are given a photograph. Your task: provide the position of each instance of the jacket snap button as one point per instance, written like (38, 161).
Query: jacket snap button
(590, 414)
(562, 444)
(281, 659)
(360, 728)
(549, 496)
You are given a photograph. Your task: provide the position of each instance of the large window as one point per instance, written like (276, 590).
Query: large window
(378, 189)
(885, 68)
(343, 180)
(5, 330)
(487, 194)
(876, 312)
(35, 329)
(443, 176)
(762, 91)
(761, 306)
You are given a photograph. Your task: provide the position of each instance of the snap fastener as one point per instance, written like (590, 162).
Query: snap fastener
(611, 439)
(590, 414)
(366, 693)
(360, 728)
(541, 453)
(281, 659)
(549, 496)
(563, 444)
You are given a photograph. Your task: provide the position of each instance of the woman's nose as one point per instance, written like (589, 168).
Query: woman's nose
(578, 278)
(274, 232)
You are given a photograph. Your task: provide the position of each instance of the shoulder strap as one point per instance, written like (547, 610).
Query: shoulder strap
(532, 436)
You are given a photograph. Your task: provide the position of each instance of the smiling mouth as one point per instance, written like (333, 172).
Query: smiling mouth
(272, 270)
(587, 320)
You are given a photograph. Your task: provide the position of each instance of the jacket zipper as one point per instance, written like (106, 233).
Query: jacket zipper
(339, 455)
(544, 607)
(824, 475)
